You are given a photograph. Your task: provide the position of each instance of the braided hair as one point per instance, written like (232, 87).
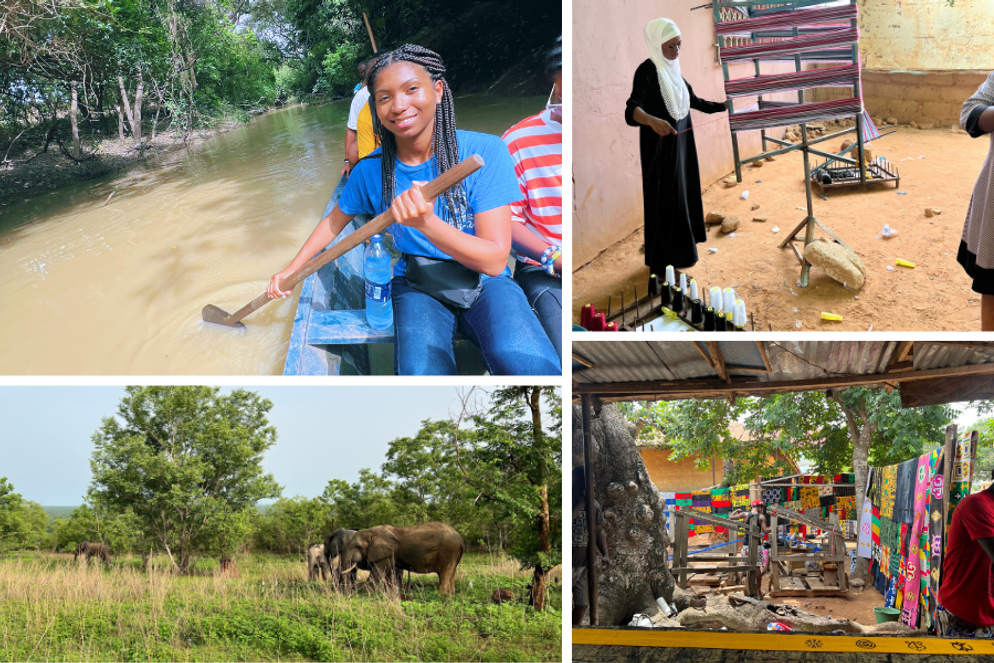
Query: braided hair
(445, 146)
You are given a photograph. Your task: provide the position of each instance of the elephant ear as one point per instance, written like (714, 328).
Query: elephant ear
(383, 547)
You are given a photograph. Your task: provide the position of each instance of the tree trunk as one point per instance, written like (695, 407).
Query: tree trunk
(861, 437)
(540, 581)
(633, 513)
(137, 126)
(74, 122)
(120, 122)
(136, 130)
(228, 566)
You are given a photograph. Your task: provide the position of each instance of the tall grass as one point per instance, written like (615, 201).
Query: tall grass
(54, 610)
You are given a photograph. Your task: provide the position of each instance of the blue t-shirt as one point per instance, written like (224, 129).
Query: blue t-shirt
(493, 186)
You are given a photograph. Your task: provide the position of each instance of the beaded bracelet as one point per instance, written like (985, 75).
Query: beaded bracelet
(548, 259)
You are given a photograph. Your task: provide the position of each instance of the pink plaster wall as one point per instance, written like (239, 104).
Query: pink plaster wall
(607, 48)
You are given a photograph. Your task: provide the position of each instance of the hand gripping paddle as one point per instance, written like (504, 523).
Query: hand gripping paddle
(433, 189)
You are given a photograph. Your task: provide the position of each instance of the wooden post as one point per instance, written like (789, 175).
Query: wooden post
(370, 31)
(774, 557)
(754, 543)
(680, 548)
(591, 513)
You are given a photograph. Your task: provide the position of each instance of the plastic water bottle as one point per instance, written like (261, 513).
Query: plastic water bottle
(376, 265)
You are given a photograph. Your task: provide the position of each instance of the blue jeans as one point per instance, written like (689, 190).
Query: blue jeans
(500, 323)
(545, 296)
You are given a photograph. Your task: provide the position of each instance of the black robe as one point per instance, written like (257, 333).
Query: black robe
(671, 178)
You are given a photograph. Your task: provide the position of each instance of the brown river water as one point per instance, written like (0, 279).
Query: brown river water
(88, 289)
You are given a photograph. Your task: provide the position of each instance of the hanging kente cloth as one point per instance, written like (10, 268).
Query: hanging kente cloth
(864, 545)
(721, 505)
(887, 492)
(912, 585)
(809, 497)
(936, 529)
(740, 496)
(904, 498)
(961, 473)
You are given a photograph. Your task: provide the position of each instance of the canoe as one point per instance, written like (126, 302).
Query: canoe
(330, 335)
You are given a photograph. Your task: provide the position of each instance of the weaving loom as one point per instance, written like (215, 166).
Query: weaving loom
(799, 31)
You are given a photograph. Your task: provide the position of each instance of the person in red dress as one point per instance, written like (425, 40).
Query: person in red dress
(965, 607)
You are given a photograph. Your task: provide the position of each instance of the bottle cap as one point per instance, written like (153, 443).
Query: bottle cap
(376, 238)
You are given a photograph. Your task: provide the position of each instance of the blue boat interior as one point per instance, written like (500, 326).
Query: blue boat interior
(330, 334)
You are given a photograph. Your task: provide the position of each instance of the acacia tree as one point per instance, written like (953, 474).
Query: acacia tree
(513, 458)
(187, 461)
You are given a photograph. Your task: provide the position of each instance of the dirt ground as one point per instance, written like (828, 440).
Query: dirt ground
(938, 169)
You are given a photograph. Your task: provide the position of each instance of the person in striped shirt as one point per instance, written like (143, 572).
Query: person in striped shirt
(536, 147)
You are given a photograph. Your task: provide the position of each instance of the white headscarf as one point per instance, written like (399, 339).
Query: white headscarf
(671, 83)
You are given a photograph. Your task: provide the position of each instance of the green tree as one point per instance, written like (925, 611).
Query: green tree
(290, 525)
(187, 461)
(513, 457)
(370, 501)
(20, 523)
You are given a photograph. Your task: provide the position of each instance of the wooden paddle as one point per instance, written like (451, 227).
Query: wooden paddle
(433, 189)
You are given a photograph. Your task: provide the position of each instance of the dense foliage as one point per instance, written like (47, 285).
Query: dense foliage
(76, 70)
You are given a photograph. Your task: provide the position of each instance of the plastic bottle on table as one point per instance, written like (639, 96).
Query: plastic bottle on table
(376, 265)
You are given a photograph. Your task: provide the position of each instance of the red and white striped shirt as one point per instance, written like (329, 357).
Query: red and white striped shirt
(536, 146)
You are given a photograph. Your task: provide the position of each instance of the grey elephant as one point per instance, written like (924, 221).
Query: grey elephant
(426, 548)
(316, 562)
(98, 550)
(334, 543)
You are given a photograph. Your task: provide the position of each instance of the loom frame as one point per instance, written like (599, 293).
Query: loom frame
(810, 222)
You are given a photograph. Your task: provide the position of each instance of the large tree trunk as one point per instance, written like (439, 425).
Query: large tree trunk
(540, 575)
(861, 437)
(134, 115)
(633, 513)
(74, 122)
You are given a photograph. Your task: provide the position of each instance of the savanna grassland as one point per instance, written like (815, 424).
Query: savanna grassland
(54, 610)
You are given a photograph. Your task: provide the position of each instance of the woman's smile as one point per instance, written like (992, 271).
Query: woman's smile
(406, 98)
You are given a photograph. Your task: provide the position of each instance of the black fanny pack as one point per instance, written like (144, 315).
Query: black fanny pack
(446, 280)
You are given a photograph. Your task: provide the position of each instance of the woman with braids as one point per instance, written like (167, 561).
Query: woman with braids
(453, 274)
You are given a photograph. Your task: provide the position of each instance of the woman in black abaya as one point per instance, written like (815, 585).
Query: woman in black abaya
(671, 181)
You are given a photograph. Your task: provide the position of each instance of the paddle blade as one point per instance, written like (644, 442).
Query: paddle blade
(212, 313)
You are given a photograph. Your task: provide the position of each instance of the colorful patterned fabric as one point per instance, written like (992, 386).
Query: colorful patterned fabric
(876, 483)
(913, 576)
(846, 506)
(771, 496)
(864, 545)
(887, 492)
(683, 500)
(960, 487)
(809, 497)
(936, 529)
(740, 496)
(721, 505)
(904, 498)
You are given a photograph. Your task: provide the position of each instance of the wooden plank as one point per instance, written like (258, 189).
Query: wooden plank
(716, 568)
(939, 391)
(749, 386)
(719, 361)
(582, 360)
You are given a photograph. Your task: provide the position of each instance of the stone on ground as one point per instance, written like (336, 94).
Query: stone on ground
(714, 218)
(729, 224)
(837, 261)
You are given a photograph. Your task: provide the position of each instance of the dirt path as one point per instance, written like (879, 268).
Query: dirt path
(938, 169)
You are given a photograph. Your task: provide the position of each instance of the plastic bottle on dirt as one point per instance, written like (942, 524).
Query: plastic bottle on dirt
(376, 265)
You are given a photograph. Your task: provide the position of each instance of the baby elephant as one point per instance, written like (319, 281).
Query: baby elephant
(98, 550)
(316, 560)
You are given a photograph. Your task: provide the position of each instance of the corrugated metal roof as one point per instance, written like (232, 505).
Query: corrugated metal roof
(669, 361)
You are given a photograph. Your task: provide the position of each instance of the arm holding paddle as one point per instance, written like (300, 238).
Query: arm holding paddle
(326, 229)
(485, 252)
(323, 235)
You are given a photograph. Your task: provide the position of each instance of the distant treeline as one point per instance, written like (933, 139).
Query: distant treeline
(178, 472)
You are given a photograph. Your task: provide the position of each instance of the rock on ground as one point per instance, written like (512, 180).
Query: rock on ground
(837, 261)
(714, 218)
(729, 224)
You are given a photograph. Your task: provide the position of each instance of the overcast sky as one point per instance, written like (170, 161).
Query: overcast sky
(324, 433)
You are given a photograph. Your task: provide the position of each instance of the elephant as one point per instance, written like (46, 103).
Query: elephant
(317, 561)
(334, 543)
(426, 548)
(99, 550)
